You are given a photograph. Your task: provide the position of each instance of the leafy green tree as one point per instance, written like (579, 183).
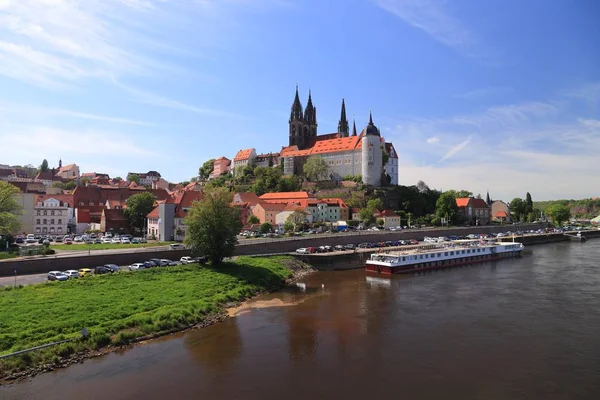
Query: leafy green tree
(558, 213)
(84, 181)
(9, 209)
(70, 185)
(518, 208)
(446, 208)
(58, 184)
(315, 168)
(212, 226)
(44, 166)
(288, 226)
(131, 177)
(117, 179)
(298, 219)
(206, 169)
(253, 219)
(184, 183)
(529, 203)
(380, 222)
(375, 204)
(138, 207)
(266, 227)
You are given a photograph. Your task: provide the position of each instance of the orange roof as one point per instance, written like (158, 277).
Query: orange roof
(501, 214)
(272, 206)
(479, 203)
(462, 201)
(387, 213)
(243, 155)
(285, 150)
(285, 196)
(153, 213)
(335, 145)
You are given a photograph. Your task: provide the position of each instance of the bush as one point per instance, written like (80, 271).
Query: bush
(48, 251)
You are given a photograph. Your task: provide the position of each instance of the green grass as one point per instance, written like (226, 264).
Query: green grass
(118, 308)
(5, 256)
(107, 246)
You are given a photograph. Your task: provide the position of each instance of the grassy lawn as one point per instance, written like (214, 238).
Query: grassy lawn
(5, 256)
(118, 308)
(107, 246)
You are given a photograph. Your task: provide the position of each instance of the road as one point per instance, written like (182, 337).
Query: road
(22, 280)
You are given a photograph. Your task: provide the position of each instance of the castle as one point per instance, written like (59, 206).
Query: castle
(346, 154)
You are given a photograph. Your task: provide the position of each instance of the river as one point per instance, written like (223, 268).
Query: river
(526, 328)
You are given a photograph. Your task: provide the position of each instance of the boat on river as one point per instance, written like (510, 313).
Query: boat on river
(449, 254)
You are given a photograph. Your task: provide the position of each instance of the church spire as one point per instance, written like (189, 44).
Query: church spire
(297, 113)
(310, 113)
(370, 118)
(487, 199)
(343, 124)
(353, 127)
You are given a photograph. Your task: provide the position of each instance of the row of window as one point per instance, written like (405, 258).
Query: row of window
(58, 212)
(46, 230)
(59, 222)
(437, 255)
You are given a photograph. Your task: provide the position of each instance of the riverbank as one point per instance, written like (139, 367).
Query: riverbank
(121, 309)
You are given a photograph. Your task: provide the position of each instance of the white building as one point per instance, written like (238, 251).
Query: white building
(53, 214)
(243, 158)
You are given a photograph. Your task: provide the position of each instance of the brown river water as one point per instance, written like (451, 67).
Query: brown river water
(527, 328)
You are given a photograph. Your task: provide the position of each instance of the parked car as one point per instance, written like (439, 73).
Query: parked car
(135, 241)
(102, 270)
(186, 260)
(106, 240)
(200, 260)
(71, 273)
(112, 267)
(176, 246)
(339, 247)
(19, 240)
(59, 239)
(68, 240)
(116, 240)
(349, 246)
(136, 266)
(302, 250)
(85, 272)
(30, 238)
(158, 262)
(97, 241)
(168, 263)
(150, 264)
(57, 276)
(78, 239)
(125, 240)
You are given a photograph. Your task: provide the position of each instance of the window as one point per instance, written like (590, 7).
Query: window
(52, 221)
(59, 212)
(59, 229)
(45, 212)
(59, 221)
(45, 221)
(37, 221)
(52, 212)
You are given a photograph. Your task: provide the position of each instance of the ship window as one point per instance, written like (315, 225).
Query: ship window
(445, 253)
(403, 258)
(451, 253)
(421, 256)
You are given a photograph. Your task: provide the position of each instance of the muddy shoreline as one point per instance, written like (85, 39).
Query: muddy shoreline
(298, 269)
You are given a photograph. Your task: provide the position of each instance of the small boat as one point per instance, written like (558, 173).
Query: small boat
(577, 237)
(450, 254)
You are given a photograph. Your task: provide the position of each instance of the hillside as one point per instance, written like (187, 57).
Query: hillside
(585, 208)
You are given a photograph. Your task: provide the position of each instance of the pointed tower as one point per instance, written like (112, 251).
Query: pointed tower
(353, 127)
(343, 129)
(60, 163)
(487, 199)
(297, 124)
(310, 116)
(372, 155)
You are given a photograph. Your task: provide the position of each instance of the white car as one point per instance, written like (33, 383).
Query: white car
(71, 273)
(302, 250)
(116, 241)
(176, 246)
(186, 260)
(136, 266)
(57, 276)
(125, 241)
(78, 239)
(106, 240)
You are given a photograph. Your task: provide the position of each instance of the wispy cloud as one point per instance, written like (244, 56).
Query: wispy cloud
(433, 140)
(486, 92)
(455, 149)
(431, 17)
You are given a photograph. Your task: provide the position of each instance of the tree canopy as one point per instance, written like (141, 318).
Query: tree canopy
(9, 209)
(518, 207)
(138, 207)
(44, 166)
(206, 168)
(253, 219)
(298, 219)
(529, 203)
(131, 177)
(212, 226)
(266, 227)
(446, 208)
(558, 213)
(367, 214)
(315, 168)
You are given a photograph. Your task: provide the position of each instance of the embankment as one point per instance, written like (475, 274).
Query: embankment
(123, 308)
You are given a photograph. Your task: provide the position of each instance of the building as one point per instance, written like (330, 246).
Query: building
(285, 197)
(267, 160)
(473, 211)
(53, 214)
(389, 217)
(68, 172)
(221, 166)
(114, 221)
(166, 220)
(243, 158)
(146, 178)
(500, 212)
(346, 154)
(267, 212)
(282, 217)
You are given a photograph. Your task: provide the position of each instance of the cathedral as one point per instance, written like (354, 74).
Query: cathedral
(346, 154)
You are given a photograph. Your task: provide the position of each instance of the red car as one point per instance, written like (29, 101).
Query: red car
(68, 241)
(413, 241)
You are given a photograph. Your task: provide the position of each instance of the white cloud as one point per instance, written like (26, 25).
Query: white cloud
(433, 140)
(431, 17)
(485, 92)
(455, 149)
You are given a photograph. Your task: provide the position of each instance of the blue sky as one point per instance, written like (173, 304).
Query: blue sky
(498, 95)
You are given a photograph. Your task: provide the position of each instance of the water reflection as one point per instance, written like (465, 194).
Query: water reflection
(216, 347)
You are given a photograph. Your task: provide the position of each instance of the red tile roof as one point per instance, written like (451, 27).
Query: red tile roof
(479, 203)
(243, 155)
(272, 206)
(501, 214)
(387, 213)
(114, 215)
(248, 197)
(285, 150)
(285, 196)
(462, 201)
(186, 201)
(153, 213)
(335, 145)
(63, 198)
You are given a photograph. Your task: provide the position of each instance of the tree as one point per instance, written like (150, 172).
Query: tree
(266, 227)
(84, 181)
(9, 209)
(288, 226)
(558, 213)
(206, 169)
(529, 203)
(422, 187)
(138, 207)
(131, 177)
(518, 207)
(297, 218)
(446, 208)
(70, 185)
(315, 168)
(253, 219)
(58, 184)
(212, 226)
(117, 179)
(44, 166)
